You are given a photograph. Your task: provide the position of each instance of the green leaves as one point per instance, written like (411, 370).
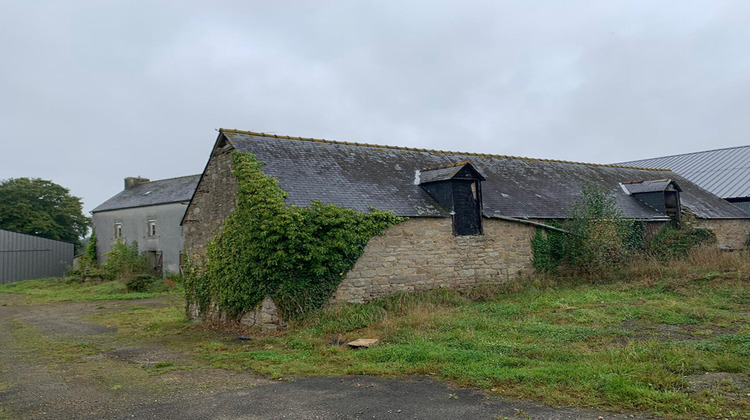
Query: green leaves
(297, 255)
(36, 206)
(599, 238)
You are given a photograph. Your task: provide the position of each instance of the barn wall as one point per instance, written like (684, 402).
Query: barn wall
(422, 254)
(25, 257)
(214, 200)
(730, 233)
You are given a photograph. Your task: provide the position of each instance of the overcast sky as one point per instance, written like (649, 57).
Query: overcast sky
(94, 91)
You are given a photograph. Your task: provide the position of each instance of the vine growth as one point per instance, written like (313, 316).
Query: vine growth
(295, 255)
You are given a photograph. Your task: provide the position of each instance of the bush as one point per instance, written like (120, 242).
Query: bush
(87, 267)
(673, 243)
(125, 264)
(89, 252)
(598, 238)
(548, 249)
(140, 283)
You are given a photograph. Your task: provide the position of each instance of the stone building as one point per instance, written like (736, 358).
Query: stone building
(148, 212)
(471, 216)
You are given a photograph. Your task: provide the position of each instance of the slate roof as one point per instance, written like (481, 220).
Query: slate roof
(658, 185)
(163, 191)
(724, 172)
(359, 176)
(443, 173)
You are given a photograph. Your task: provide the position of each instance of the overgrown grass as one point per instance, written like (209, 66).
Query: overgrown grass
(628, 344)
(624, 345)
(65, 289)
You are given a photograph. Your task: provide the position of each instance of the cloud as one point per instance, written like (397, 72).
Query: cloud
(98, 91)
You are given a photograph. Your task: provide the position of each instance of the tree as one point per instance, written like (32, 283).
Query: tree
(39, 207)
(595, 239)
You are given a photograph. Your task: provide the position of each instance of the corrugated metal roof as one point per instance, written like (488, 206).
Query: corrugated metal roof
(724, 172)
(359, 176)
(163, 191)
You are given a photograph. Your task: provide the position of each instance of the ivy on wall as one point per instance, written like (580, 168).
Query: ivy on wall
(296, 255)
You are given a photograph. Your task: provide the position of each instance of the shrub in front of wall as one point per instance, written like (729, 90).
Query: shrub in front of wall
(671, 242)
(87, 266)
(597, 238)
(139, 282)
(548, 249)
(297, 255)
(89, 252)
(124, 263)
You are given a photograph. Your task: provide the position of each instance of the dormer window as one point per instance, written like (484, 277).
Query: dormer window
(458, 189)
(662, 195)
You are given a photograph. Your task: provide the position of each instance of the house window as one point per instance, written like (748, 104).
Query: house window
(118, 230)
(152, 228)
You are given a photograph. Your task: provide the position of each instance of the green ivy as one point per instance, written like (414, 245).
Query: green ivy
(296, 255)
(548, 248)
(672, 243)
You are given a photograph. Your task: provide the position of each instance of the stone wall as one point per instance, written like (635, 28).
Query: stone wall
(422, 254)
(266, 316)
(730, 234)
(214, 200)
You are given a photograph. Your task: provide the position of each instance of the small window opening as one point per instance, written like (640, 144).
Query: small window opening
(118, 230)
(152, 228)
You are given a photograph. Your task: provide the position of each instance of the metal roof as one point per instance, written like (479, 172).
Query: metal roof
(163, 191)
(360, 176)
(724, 172)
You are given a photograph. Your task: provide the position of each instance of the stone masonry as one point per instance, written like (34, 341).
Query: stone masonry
(730, 233)
(213, 201)
(422, 254)
(418, 254)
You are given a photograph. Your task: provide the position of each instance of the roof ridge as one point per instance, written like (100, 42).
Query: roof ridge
(414, 149)
(689, 153)
(646, 180)
(450, 165)
(169, 179)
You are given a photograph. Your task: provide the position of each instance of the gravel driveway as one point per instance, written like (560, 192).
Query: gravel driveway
(113, 383)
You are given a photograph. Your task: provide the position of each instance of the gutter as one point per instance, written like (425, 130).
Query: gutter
(529, 222)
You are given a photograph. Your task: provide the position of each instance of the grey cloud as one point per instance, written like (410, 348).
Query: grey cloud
(95, 91)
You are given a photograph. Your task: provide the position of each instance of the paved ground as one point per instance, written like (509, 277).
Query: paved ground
(113, 384)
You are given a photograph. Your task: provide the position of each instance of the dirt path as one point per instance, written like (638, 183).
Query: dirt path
(39, 379)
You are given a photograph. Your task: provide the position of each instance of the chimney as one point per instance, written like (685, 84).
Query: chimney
(131, 182)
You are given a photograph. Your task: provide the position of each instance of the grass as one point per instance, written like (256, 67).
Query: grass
(628, 344)
(623, 345)
(54, 350)
(565, 346)
(67, 289)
